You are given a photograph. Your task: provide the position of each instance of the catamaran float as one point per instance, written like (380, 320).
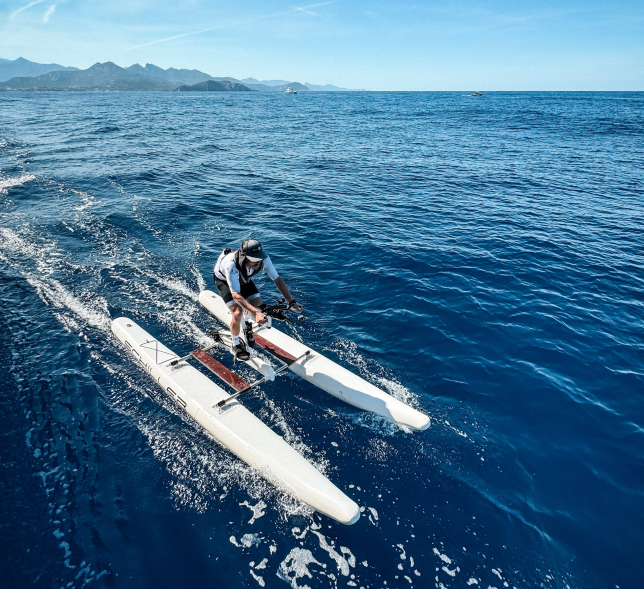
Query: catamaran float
(232, 424)
(318, 370)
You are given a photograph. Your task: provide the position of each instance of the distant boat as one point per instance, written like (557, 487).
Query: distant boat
(290, 91)
(476, 94)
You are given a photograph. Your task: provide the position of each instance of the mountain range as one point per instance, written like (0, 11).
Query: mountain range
(22, 74)
(99, 77)
(281, 88)
(283, 83)
(215, 86)
(265, 82)
(23, 67)
(330, 88)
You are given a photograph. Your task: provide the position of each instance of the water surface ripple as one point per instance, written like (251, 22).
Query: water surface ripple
(478, 258)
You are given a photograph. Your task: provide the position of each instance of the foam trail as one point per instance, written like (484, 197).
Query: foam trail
(56, 294)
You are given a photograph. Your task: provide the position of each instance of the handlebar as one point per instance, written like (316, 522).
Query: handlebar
(277, 312)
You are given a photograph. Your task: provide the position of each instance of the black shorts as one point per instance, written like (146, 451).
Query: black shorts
(248, 291)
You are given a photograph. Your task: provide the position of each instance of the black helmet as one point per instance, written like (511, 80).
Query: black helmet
(252, 250)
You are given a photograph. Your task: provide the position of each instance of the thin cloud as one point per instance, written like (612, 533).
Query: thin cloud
(175, 37)
(49, 12)
(25, 7)
(304, 9)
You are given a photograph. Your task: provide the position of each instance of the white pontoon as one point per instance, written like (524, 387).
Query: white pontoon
(231, 423)
(319, 370)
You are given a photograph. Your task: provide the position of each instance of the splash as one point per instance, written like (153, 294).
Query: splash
(373, 372)
(344, 559)
(258, 510)
(7, 183)
(246, 541)
(296, 566)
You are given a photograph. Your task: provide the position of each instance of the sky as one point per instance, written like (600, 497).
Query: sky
(397, 45)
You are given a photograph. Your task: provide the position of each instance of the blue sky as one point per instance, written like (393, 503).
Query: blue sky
(426, 45)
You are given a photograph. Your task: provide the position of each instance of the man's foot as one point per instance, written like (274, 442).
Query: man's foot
(241, 353)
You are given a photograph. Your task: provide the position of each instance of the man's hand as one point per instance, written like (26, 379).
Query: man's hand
(260, 318)
(293, 306)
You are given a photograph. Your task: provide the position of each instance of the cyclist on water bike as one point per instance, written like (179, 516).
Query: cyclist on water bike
(232, 274)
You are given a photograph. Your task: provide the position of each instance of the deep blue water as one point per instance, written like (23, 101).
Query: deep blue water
(480, 258)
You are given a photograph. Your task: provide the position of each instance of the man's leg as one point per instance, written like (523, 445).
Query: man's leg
(235, 324)
(238, 347)
(251, 294)
(256, 302)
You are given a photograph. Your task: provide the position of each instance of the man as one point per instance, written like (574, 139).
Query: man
(232, 274)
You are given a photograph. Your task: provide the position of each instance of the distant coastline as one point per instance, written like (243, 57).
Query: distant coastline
(22, 75)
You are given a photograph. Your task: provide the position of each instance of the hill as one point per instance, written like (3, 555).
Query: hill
(264, 88)
(215, 86)
(24, 68)
(266, 82)
(171, 74)
(281, 85)
(330, 88)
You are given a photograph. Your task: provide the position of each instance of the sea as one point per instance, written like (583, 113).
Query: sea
(479, 258)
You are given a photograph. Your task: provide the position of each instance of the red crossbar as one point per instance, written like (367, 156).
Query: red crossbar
(228, 376)
(283, 355)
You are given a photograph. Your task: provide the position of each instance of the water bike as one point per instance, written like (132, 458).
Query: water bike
(222, 415)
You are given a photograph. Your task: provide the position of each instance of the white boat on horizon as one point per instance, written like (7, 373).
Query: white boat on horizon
(290, 90)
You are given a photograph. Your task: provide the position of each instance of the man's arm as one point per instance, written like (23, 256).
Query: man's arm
(286, 293)
(244, 304)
